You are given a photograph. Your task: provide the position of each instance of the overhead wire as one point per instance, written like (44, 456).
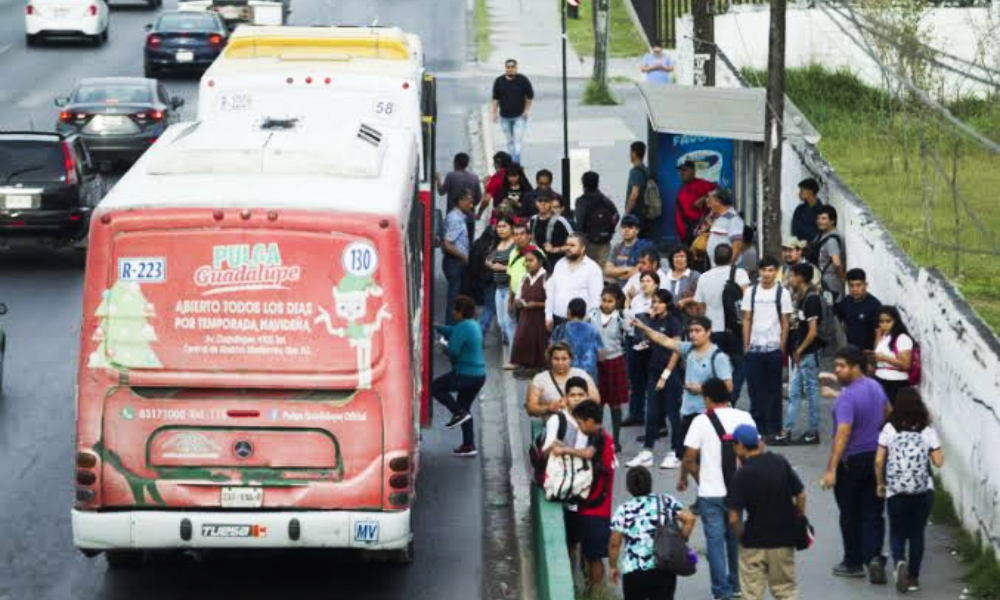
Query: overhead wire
(920, 94)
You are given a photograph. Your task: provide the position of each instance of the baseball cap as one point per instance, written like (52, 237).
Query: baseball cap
(630, 221)
(793, 242)
(747, 435)
(688, 164)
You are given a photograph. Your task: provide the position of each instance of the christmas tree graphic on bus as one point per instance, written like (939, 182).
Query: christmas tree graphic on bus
(125, 333)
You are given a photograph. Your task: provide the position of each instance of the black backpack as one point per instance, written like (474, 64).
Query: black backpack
(601, 220)
(537, 456)
(729, 463)
(777, 300)
(732, 297)
(812, 250)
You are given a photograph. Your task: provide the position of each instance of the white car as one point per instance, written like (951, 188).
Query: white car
(87, 18)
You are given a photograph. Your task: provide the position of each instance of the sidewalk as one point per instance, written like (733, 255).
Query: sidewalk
(607, 132)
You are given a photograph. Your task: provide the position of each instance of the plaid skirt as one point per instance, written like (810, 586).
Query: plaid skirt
(612, 381)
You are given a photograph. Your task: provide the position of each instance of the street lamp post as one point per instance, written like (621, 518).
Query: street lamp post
(565, 103)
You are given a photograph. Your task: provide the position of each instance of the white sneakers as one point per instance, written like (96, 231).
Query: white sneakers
(643, 459)
(670, 462)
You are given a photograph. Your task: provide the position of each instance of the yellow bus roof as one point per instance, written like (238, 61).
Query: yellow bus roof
(323, 43)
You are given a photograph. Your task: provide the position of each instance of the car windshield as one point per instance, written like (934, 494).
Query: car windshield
(22, 161)
(113, 93)
(186, 22)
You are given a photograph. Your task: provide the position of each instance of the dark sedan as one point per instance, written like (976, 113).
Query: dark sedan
(182, 40)
(118, 117)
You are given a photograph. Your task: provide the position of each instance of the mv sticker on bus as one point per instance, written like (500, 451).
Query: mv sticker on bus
(260, 301)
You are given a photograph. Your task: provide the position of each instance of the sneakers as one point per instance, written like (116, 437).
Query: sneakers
(643, 459)
(902, 577)
(811, 438)
(457, 420)
(670, 462)
(842, 570)
(914, 586)
(465, 450)
(782, 439)
(876, 571)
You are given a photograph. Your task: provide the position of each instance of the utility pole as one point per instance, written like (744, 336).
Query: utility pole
(704, 34)
(773, 135)
(565, 102)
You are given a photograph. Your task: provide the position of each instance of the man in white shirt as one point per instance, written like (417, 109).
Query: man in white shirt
(767, 307)
(649, 262)
(576, 276)
(709, 295)
(703, 460)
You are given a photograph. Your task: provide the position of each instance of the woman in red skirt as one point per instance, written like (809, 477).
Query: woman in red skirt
(612, 370)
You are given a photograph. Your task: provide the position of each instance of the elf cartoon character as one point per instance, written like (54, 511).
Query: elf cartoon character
(350, 299)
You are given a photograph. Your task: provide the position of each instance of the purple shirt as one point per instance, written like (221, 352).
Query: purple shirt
(862, 404)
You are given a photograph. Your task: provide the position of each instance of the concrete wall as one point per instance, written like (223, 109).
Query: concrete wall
(553, 572)
(813, 38)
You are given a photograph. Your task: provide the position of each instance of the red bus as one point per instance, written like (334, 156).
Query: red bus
(254, 343)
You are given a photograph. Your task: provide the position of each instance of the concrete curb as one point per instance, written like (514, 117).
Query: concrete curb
(521, 490)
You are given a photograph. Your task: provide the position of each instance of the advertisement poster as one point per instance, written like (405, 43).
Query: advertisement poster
(242, 301)
(713, 158)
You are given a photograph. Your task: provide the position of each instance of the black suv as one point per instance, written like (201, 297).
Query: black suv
(48, 188)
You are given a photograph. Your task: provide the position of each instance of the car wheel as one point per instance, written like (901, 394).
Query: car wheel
(30, 40)
(124, 560)
(3, 348)
(106, 34)
(149, 71)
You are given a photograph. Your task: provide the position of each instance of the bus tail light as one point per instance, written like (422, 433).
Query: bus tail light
(85, 477)
(29, 10)
(399, 481)
(86, 460)
(400, 464)
(399, 499)
(92, 10)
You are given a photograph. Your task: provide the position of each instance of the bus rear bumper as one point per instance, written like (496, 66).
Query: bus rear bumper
(150, 530)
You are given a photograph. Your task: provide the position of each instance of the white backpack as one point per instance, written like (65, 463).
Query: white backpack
(908, 469)
(568, 479)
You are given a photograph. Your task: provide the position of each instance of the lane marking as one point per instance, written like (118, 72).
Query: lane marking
(5, 48)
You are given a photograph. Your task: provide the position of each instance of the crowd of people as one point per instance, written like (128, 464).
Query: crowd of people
(598, 327)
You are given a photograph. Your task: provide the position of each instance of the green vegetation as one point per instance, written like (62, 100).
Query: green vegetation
(873, 140)
(481, 17)
(983, 575)
(598, 95)
(626, 41)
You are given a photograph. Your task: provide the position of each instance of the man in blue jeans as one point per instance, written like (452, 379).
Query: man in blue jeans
(456, 246)
(468, 371)
(512, 98)
(804, 357)
(766, 309)
(704, 458)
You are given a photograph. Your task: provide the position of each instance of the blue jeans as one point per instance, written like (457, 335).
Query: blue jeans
(720, 547)
(908, 514)
(513, 129)
(862, 524)
(454, 271)
(467, 387)
(489, 308)
(764, 384)
(805, 381)
(636, 363)
(504, 320)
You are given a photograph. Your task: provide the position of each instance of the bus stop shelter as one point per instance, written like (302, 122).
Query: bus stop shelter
(721, 130)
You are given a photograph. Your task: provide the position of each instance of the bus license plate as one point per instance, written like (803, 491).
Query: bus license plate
(366, 531)
(242, 497)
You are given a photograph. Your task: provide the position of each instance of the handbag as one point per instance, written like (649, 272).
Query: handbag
(805, 535)
(670, 550)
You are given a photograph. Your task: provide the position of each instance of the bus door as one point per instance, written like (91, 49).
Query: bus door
(432, 217)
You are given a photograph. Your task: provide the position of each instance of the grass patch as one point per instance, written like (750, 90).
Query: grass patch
(598, 95)
(873, 141)
(983, 575)
(481, 19)
(626, 41)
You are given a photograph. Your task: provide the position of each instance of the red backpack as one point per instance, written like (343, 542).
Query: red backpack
(915, 372)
